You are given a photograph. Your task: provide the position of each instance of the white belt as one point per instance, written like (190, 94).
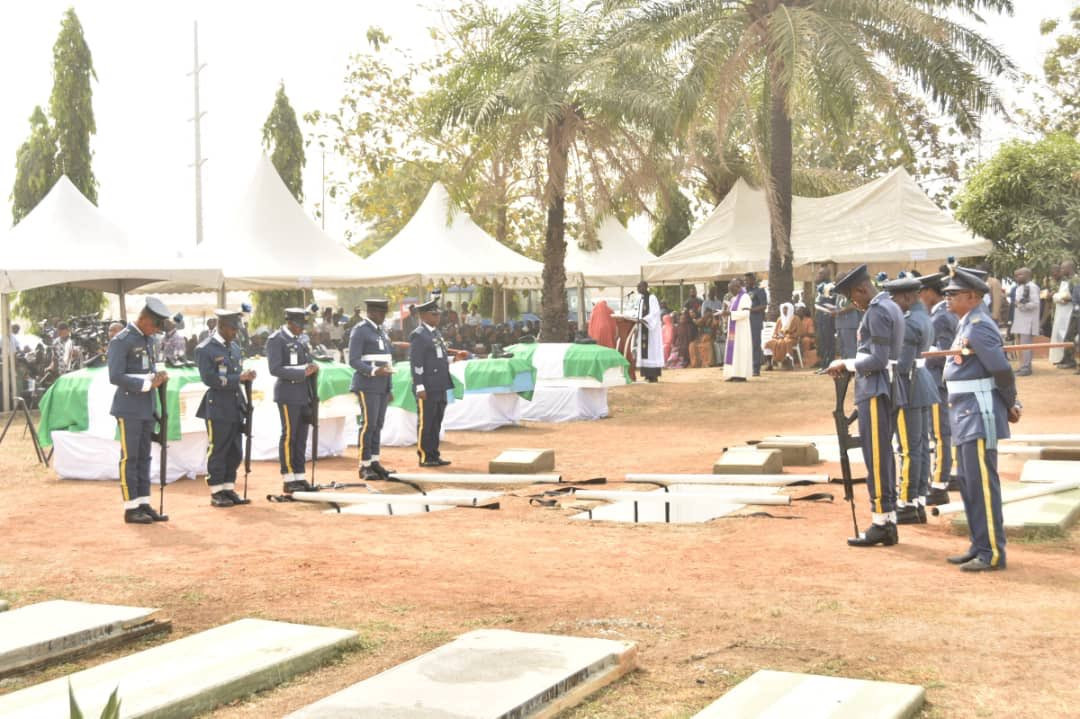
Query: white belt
(377, 358)
(920, 362)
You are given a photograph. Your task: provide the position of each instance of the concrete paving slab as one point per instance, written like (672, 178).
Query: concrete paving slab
(188, 676)
(485, 674)
(701, 510)
(523, 461)
(749, 460)
(1049, 470)
(776, 480)
(782, 695)
(394, 509)
(1048, 516)
(46, 632)
(793, 453)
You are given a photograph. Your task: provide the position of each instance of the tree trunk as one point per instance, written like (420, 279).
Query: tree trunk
(781, 275)
(554, 324)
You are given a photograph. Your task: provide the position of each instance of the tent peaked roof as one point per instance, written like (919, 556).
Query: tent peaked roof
(440, 243)
(889, 222)
(616, 264)
(66, 239)
(268, 242)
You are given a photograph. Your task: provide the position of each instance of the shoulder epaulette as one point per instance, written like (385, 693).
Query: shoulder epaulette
(123, 334)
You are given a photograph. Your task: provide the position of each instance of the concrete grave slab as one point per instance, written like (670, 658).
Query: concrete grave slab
(748, 460)
(523, 461)
(393, 508)
(828, 447)
(1048, 516)
(47, 632)
(485, 674)
(777, 480)
(1057, 440)
(781, 695)
(188, 676)
(657, 511)
(792, 452)
(1049, 470)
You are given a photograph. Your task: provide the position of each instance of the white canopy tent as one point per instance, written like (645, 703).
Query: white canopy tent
(66, 240)
(440, 243)
(889, 222)
(617, 263)
(268, 242)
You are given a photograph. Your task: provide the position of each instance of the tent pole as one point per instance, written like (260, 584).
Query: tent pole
(221, 295)
(505, 304)
(123, 302)
(680, 293)
(581, 303)
(7, 384)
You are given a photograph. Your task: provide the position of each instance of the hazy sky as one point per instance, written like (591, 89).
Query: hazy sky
(143, 99)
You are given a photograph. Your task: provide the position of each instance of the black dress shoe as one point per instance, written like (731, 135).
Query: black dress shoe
(236, 498)
(883, 534)
(153, 514)
(137, 516)
(220, 499)
(953, 485)
(922, 513)
(434, 463)
(961, 558)
(937, 497)
(909, 515)
(379, 469)
(297, 485)
(978, 565)
(1063, 365)
(368, 474)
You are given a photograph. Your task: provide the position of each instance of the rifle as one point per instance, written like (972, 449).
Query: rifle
(846, 441)
(313, 393)
(247, 433)
(162, 438)
(965, 351)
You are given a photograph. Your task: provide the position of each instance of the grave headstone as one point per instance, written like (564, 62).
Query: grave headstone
(523, 461)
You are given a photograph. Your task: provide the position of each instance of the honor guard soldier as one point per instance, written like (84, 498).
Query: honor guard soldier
(937, 423)
(919, 392)
(223, 407)
(431, 383)
(880, 339)
(982, 401)
(288, 356)
(371, 355)
(133, 371)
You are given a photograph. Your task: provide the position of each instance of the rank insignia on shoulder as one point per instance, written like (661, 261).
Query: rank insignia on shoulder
(976, 320)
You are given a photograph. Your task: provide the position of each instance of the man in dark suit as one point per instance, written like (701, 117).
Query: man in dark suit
(371, 355)
(223, 407)
(288, 356)
(132, 370)
(431, 382)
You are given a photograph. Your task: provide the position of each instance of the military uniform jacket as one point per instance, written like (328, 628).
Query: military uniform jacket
(978, 331)
(369, 348)
(847, 320)
(430, 365)
(881, 337)
(944, 332)
(131, 368)
(919, 387)
(287, 356)
(220, 368)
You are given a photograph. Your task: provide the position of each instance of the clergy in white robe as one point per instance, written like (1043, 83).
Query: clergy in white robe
(739, 355)
(649, 338)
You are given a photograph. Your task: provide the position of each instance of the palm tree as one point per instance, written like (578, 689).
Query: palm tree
(767, 64)
(544, 74)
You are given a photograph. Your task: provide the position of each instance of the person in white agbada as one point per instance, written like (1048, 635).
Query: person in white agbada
(1025, 324)
(739, 357)
(1063, 309)
(649, 338)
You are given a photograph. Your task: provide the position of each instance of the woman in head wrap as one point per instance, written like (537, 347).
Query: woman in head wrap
(602, 325)
(668, 334)
(785, 335)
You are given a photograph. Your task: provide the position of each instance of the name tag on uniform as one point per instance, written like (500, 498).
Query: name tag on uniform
(145, 362)
(439, 352)
(382, 345)
(293, 358)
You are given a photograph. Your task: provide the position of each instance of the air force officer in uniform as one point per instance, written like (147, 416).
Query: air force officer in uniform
(371, 355)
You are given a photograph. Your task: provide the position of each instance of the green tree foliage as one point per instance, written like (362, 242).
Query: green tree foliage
(544, 73)
(70, 105)
(765, 65)
(1026, 200)
(1059, 109)
(281, 136)
(62, 150)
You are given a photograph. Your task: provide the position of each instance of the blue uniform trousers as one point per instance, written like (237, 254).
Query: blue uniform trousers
(940, 434)
(372, 415)
(429, 417)
(292, 446)
(875, 433)
(980, 489)
(848, 341)
(134, 458)
(225, 451)
(825, 332)
(914, 453)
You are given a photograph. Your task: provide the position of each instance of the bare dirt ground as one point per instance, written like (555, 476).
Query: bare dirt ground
(707, 604)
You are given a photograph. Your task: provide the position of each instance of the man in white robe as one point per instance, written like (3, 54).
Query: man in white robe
(739, 355)
(649, 339)
(1063, 312)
